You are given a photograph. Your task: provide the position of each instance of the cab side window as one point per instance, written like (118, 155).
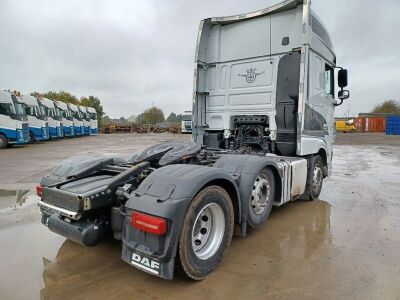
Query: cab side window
(30, 111)
(5, 109)
(329, 80)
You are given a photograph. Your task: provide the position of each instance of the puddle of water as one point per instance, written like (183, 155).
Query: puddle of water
(345, 247)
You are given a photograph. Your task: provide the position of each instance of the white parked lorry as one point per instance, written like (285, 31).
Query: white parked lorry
(263, 128)
(13, 121)
(94, 126)
(78, 119)
(37, 119)
(85, 119)
(67, 119)
(54, 118)
(186, 124)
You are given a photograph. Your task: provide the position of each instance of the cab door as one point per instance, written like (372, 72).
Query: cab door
(319, 107)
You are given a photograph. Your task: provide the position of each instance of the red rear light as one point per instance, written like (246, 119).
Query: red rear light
(149, 223)
(39, 191)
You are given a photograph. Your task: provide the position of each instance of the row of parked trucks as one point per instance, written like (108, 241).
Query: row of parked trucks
(27, 119)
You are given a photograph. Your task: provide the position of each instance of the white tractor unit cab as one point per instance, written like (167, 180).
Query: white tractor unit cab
(94, 126)
(263, 128)
(13, 121)
(54, 118)
(67, 119)
(85, 119)
(37, 119)
(186, 125)
(265, 80)
(78, 119)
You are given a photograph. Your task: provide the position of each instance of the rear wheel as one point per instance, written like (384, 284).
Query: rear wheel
(261, 198)
(3, 141)
(206, 232)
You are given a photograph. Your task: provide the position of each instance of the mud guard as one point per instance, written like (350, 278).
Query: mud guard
(244, 168)
(79, 166)
(165, 193)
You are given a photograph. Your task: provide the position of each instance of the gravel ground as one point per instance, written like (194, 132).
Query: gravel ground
(346, 245)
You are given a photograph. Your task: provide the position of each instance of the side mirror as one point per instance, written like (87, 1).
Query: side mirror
(342, 78)
(343, 94)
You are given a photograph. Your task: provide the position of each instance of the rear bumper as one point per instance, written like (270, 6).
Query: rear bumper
(84, 232)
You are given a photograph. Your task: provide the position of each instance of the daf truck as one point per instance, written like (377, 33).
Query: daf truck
(85, 119)
(186, 125)
(54, 118)
(78, 119)
(14, 127)
(263, 128)
(67, 119)
(94, 126)
(37, 119)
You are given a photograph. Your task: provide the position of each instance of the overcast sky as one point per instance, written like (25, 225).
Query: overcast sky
(133, 53)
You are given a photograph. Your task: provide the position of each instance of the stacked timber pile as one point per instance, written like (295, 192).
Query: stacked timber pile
(145, 128)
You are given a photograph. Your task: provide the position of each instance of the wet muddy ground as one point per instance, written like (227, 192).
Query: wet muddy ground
(345, 245)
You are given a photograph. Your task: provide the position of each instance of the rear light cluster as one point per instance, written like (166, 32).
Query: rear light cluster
(148, 223)
(39, 191)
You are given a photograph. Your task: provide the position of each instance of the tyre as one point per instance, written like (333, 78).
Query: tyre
(32, 139)
(315, 177)
(206, 232)
(261, 198)
(3, 142)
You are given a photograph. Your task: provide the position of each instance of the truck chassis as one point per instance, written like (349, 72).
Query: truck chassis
(175, 199)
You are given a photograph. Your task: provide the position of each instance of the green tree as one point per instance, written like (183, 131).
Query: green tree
(172, 118)
(140, 119)
(388, 107)
(153, 115)
(67, 97)
(58, 96)
(106, 120)
(94, 102)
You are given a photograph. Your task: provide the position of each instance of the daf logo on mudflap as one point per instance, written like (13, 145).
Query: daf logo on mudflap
(145, 263)
(251, 75)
